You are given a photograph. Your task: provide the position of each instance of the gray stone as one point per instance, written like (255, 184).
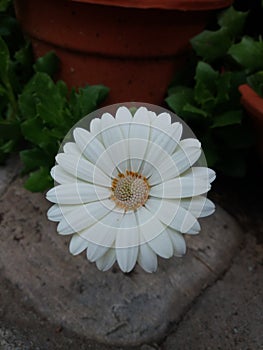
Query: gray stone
(111, 307)
(229, 314)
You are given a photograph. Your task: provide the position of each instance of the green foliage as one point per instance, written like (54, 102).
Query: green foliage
(48, 116)
(210, 101)
(35, 112)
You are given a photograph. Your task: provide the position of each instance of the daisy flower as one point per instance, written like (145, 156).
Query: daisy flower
(129, 188)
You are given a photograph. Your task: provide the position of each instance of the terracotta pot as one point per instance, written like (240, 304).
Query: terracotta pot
(132, 46)
(253, 103)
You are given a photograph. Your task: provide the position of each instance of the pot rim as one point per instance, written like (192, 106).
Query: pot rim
(251, 101)
(183, 5)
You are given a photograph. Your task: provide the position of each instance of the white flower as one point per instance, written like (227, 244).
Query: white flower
(128, 189)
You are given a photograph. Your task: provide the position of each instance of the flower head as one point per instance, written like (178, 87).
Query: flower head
(128, 189)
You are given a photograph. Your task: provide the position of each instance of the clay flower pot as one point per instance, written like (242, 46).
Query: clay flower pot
(132, 46)
(253, 104)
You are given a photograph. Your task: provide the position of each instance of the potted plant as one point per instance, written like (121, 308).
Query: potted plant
(131, 46)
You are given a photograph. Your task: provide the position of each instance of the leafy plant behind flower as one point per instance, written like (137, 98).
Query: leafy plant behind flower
(208, 99)
(35, 112)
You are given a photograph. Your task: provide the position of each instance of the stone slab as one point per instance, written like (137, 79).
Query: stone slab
(107, 307)
(228, 315)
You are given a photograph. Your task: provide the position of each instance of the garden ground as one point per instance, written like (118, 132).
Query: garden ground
(226, 315)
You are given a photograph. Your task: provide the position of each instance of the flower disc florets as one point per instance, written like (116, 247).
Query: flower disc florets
(130, 190)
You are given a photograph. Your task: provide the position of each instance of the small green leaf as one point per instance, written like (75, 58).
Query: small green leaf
(7, 147)
(42, 98)
(228, 118)
(34, 131)
(32, 159)
(233, 20)
(256, 82)
(4, 61)
(48, 64)
(205, 88)
(248, 53)
(86, 100)
(39, 181)
(180, 97)
(211, 45)
(194, 110)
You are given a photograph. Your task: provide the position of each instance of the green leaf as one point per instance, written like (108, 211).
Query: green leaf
(223, 87)
(181, 96)
(228, 118)
(233, 20)
(86, 100)
(34, 131)
(42, 98)
(194, 110)
(256, 82)
(4, 61)
(248, 53)
(205, 89)
(211, 45)
(39, 181)
(33, 159)
(7, 147)
(48, 64)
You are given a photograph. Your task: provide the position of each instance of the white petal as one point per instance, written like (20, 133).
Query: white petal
(61, 176)
(83, 169)
(199, 206)
(55, 213)
(71, 148)
(118, 152)
(178, 242)
(107, 260)
(149, 225)
(193, 183)
(168, 140)
(127, 241)
(95, 251)
(77, 244)
(162, 245)
(84, 216)
(92, 149)
(111, 132)
(212, 175)
(153, 232)
(140, 130)
(147, 259)
(123, 115)
(77, 193)
(173, 215)
(95, 126)
(124, 119)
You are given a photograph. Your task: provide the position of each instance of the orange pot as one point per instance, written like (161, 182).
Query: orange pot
(132, 46)
(253, 104)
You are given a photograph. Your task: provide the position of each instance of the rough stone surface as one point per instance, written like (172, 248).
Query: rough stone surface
(111, 307)
(229, 314)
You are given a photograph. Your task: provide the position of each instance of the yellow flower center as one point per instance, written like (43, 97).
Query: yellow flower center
(130, 190)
